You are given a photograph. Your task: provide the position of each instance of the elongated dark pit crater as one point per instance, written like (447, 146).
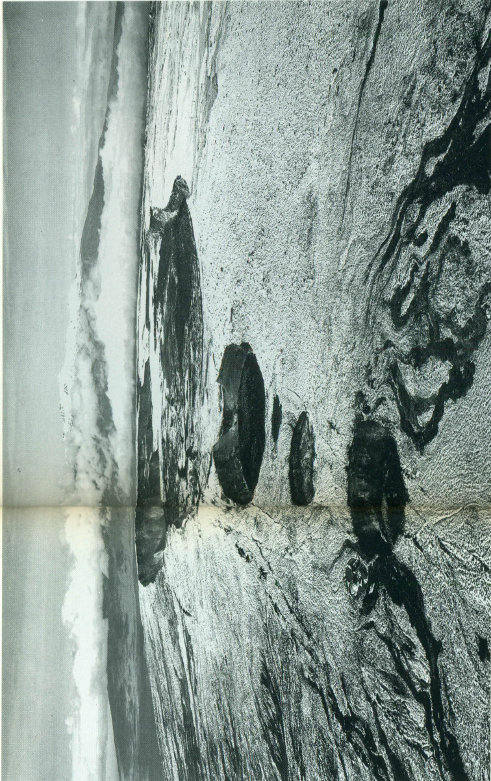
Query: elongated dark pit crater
(483, 648)
(276, 418)
(238, 453)
(301, 462)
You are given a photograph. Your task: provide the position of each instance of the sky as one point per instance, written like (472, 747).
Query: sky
(44, 202)
(40, 166)
(69, 336)
(40, 67)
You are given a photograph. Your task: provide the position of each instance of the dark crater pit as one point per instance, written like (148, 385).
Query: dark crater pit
(276, 418)
(238, 453)
(301, 462)
(483, 649)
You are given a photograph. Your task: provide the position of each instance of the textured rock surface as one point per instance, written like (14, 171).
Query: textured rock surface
(337, 223)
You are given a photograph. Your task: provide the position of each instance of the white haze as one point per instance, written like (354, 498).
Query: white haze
(58, 68)
(107, 301)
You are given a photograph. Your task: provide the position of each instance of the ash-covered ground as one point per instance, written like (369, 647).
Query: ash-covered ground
(312, 525)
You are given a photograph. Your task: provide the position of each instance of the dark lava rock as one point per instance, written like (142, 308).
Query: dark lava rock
(376, 491)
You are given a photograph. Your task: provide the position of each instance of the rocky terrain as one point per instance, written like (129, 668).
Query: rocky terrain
(312, 522)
